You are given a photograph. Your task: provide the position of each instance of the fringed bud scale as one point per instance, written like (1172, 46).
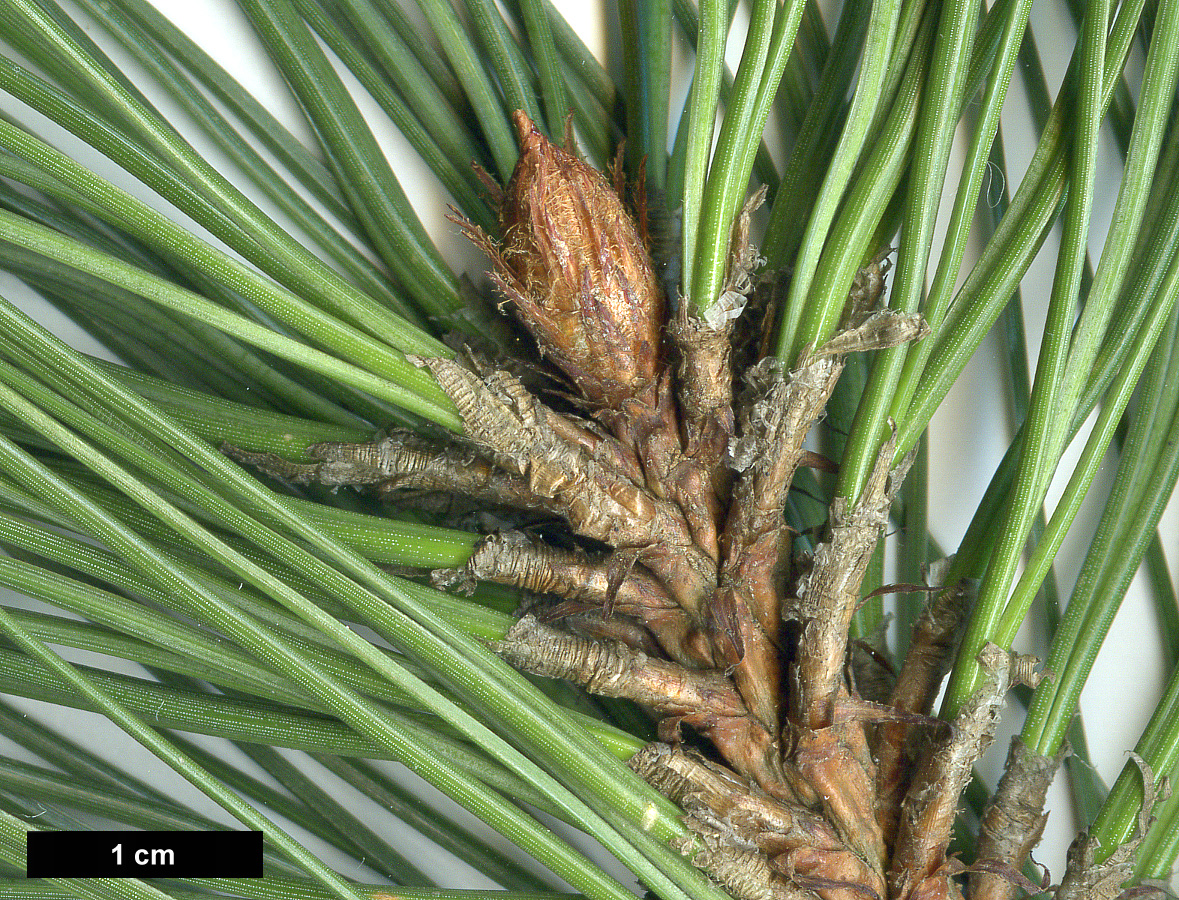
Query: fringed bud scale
(574, 263)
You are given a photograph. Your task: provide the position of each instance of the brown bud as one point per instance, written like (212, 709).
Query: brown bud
(573, 262)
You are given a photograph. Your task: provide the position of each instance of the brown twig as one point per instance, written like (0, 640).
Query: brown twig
(931, 650)
(1014, 818)
(832, 768)
(829, 593)
(931, 803)
(746, 613)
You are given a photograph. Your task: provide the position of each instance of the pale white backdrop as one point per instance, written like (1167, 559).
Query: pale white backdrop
(1128, 676)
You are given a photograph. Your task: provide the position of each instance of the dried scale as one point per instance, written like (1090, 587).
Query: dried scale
(824, 778)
